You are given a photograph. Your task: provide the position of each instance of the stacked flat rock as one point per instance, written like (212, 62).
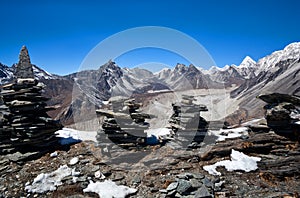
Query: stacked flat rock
(124, 124)
(5, 128)
(27, 125)
(283, 113)
(186, 121)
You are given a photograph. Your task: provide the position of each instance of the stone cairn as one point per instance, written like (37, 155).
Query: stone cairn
(24, 123)
(187, 124)
(283, 114)
(123, 125)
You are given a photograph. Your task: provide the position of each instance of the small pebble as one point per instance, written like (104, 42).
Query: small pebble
(74, 161)
(54, 154)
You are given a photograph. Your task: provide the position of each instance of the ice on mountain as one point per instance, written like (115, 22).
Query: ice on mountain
(239, 161)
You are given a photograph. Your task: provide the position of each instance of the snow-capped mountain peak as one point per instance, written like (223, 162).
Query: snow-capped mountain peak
(247, 62)
(290, 53)
(163, 70)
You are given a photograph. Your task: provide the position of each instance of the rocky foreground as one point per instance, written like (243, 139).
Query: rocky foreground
(165, 171)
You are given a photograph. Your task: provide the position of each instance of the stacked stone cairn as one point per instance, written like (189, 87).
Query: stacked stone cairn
(187, 124)
(124, 124)
(24, 123)
(283, 114)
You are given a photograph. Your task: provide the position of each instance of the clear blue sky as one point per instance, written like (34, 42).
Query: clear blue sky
(59, 34)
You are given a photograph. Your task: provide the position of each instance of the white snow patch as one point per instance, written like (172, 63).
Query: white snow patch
(224, 134)
(239, 161)
(70, 134)
(106, 102)
(109, 189)
(49, 181)
(158, 132)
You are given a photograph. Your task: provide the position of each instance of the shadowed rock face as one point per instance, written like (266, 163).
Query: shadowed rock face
(24, 67)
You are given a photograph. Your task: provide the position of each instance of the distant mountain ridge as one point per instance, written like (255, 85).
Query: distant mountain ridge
(95, 86)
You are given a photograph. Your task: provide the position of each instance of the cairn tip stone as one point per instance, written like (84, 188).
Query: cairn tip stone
(24, 68)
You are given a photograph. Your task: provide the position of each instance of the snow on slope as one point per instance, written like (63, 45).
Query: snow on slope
(68, 133)
(269, 63)
(45, 182)
(239, 161)
(41, 74)
(109, 189)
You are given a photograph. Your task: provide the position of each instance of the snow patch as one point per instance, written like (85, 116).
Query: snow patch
(239, 161)
(49, 181)
(154, 136)
(224, 134)
(69, 136)
(158, 91)
(109, 189)
(106, 102)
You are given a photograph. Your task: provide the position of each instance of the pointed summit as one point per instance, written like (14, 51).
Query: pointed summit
(24, 68)
(247, 62)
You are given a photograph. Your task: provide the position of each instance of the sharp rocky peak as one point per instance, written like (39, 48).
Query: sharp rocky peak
(109, 64)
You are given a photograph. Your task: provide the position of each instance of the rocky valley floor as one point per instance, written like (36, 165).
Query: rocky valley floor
(159, 171)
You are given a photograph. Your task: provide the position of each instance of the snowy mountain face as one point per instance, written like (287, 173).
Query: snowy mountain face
(99, 85)
(7, 73)
(185, 77)
(247, 68)
(42, 74)
(271, 67)
(275, 61)
(233, 74)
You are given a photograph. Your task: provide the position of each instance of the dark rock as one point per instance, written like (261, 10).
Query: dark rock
(282, 111)
(207, 182)
(195, 183)
(276, 98)
(16, 157)
(187, 124)
(172, 186)
(124, 124)
(24, 67)
(183, 186)
(202, 193)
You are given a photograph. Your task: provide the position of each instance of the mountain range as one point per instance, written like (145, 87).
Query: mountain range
(85, 90)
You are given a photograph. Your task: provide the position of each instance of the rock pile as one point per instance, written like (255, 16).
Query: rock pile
(26, 127)
(186, 121)
(283, 113)
(124, 124)
(190, 185)
(5, 128)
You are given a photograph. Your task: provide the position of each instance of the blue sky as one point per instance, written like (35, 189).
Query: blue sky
(59, 34)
